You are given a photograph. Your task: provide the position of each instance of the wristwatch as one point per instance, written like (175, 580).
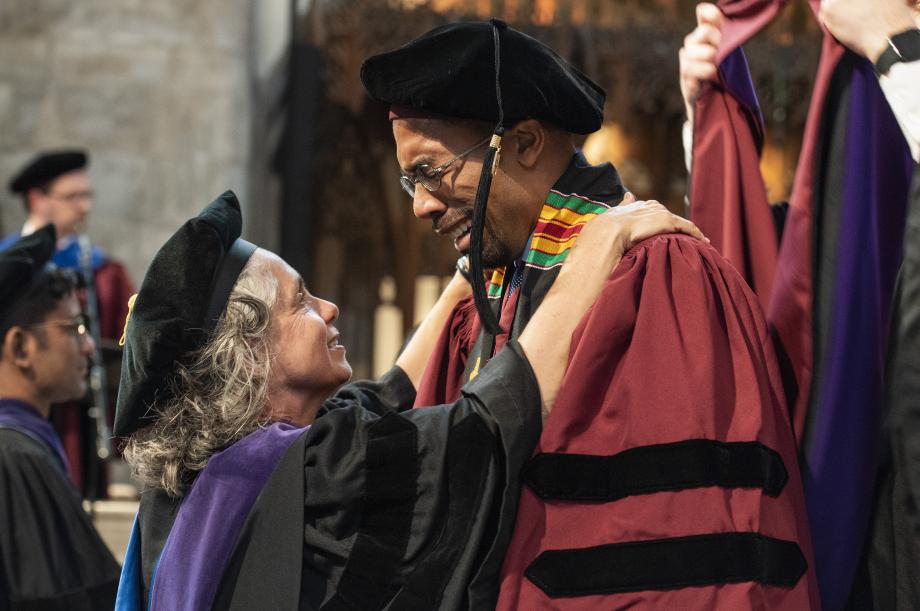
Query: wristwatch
(903, 47)
(463, 266)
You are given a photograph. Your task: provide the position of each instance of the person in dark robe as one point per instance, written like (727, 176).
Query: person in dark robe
(887, 33)
(666, 476)
(56, 188)
(51, 556)
(267, 489)
(837, 309)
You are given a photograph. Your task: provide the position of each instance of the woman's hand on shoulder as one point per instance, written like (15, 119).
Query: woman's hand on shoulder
(606, 237)
(598, 249)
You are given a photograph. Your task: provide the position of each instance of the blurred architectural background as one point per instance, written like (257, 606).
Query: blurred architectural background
(178, 100)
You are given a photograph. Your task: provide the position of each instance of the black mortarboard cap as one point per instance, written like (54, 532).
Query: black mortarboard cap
(451, 71)
(184, 293)
(46, 167)
(22, 263)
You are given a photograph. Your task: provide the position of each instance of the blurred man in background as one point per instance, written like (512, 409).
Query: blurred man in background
(55, 188)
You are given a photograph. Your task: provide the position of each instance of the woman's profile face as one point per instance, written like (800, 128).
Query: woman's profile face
(304, 343)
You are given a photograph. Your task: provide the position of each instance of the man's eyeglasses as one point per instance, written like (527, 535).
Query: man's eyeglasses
(72, 197)
(430, 177)
(76, 327)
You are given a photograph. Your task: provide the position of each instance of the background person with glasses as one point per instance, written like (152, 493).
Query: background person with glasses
(55, 188)
(50, 555)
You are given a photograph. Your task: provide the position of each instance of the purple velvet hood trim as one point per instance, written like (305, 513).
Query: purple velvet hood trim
(211, 518)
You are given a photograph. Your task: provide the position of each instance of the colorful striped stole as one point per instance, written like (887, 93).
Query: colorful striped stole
(561, 220)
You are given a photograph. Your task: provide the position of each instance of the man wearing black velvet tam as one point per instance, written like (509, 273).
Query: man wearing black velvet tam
(671, 403)
(55, 188)
(50, 555)
(265, 488)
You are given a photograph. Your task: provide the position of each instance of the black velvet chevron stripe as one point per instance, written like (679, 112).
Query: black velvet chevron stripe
(370, 578)
(666, 564)
(469, 453)
(694, 463)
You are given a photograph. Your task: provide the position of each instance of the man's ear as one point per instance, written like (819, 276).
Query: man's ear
(19, 347)
(527, 141)
(36, 201)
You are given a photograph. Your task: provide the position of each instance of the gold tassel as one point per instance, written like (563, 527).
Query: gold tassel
(124, 334)
(496, 143)
(475, 371)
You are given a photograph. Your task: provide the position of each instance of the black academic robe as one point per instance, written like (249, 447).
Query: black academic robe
(51, 557)
(889, 577)
(377, 505)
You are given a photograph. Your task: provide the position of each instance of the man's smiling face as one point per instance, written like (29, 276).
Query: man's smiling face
(433, 142)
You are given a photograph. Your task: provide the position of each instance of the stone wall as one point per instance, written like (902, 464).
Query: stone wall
(166, 95)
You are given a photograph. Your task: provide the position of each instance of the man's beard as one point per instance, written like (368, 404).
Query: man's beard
(495, 251)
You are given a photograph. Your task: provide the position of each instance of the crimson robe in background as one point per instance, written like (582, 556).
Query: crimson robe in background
(666, 476)
(728, 199)
(76, 428)
(113, 289)
(830, 305)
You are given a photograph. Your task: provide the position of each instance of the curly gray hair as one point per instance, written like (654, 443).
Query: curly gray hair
(219, 392)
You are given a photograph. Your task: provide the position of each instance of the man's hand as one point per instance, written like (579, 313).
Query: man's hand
(607, 237)
(698, 55)
(865, 25)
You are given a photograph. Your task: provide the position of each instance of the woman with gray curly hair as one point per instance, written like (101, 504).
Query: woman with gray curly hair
(265, 488)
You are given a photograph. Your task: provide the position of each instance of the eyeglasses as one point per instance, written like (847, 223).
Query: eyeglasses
(76, 327)
(430, 177)
(72, 197)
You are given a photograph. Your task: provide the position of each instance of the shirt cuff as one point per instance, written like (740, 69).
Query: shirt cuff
(686, 135)
(901, 87)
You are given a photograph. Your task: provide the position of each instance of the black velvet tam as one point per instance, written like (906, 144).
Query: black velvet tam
(184, 292)
(23, 262)
(46, 167)
(451, 71)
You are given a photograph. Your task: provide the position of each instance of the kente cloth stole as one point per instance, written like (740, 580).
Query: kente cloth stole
(561, 220)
